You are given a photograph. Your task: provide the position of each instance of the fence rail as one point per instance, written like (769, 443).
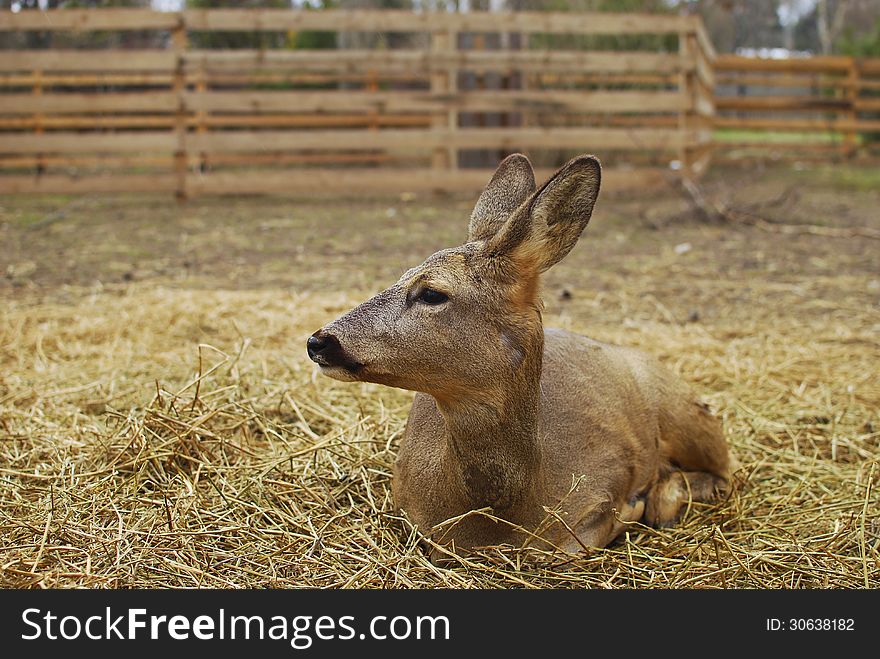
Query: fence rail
(832, 103)
(353, 20)
(404, 101)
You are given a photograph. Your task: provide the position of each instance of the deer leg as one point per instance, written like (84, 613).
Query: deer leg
(631, 511)
(678, 489)
(600, 528)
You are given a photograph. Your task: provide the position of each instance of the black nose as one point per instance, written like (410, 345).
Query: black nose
(324, 349)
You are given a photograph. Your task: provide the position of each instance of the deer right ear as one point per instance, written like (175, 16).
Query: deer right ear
(541, 233)
(512, 184)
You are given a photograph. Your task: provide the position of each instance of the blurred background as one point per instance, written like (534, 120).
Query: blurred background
(219, 102)
(850, 27)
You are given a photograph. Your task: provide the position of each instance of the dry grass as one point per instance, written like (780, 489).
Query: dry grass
(244, 470)
(157, 436)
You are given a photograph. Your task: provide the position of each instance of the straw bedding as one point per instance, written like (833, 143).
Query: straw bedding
(159, 436)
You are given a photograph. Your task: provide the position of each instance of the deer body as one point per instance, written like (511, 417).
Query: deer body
(601, 451)
(520, 434)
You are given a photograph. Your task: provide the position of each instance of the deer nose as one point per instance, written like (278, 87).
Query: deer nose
(324, 349)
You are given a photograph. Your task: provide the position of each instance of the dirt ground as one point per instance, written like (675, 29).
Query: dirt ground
(161, 425)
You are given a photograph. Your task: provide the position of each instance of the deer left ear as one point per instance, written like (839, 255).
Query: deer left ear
(512, 184)
(543, 231)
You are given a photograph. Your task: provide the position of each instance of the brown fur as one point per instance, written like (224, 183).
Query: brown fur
(514, 418)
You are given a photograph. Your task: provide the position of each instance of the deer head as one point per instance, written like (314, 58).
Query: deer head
(454, 325)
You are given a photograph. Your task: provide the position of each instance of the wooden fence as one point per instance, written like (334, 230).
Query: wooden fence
(802, 107)
(398, 106)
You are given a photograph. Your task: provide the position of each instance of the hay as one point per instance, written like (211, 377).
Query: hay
(157, 436)
(132, 456)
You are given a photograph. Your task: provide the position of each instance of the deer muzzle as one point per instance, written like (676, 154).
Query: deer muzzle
(325, 350)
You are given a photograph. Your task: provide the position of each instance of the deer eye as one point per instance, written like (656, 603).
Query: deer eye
(432, 297)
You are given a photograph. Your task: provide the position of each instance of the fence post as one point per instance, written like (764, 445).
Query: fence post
(201, 115)
(452, 86)
(852, 115)
(372, 85)
(687, 51)
(179, 44)
(38, 118)
(443, 158)
(704, 98)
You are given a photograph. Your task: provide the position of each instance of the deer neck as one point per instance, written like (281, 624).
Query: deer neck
(492, 455)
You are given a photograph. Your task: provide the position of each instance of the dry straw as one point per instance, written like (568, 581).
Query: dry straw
(156, 437)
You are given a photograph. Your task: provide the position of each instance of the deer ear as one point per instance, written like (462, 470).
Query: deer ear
(512, 184)
(563, 207)
(541, 233)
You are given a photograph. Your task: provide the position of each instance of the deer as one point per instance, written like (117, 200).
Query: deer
(517, 434)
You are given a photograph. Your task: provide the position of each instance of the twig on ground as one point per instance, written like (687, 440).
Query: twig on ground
(716, 211)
